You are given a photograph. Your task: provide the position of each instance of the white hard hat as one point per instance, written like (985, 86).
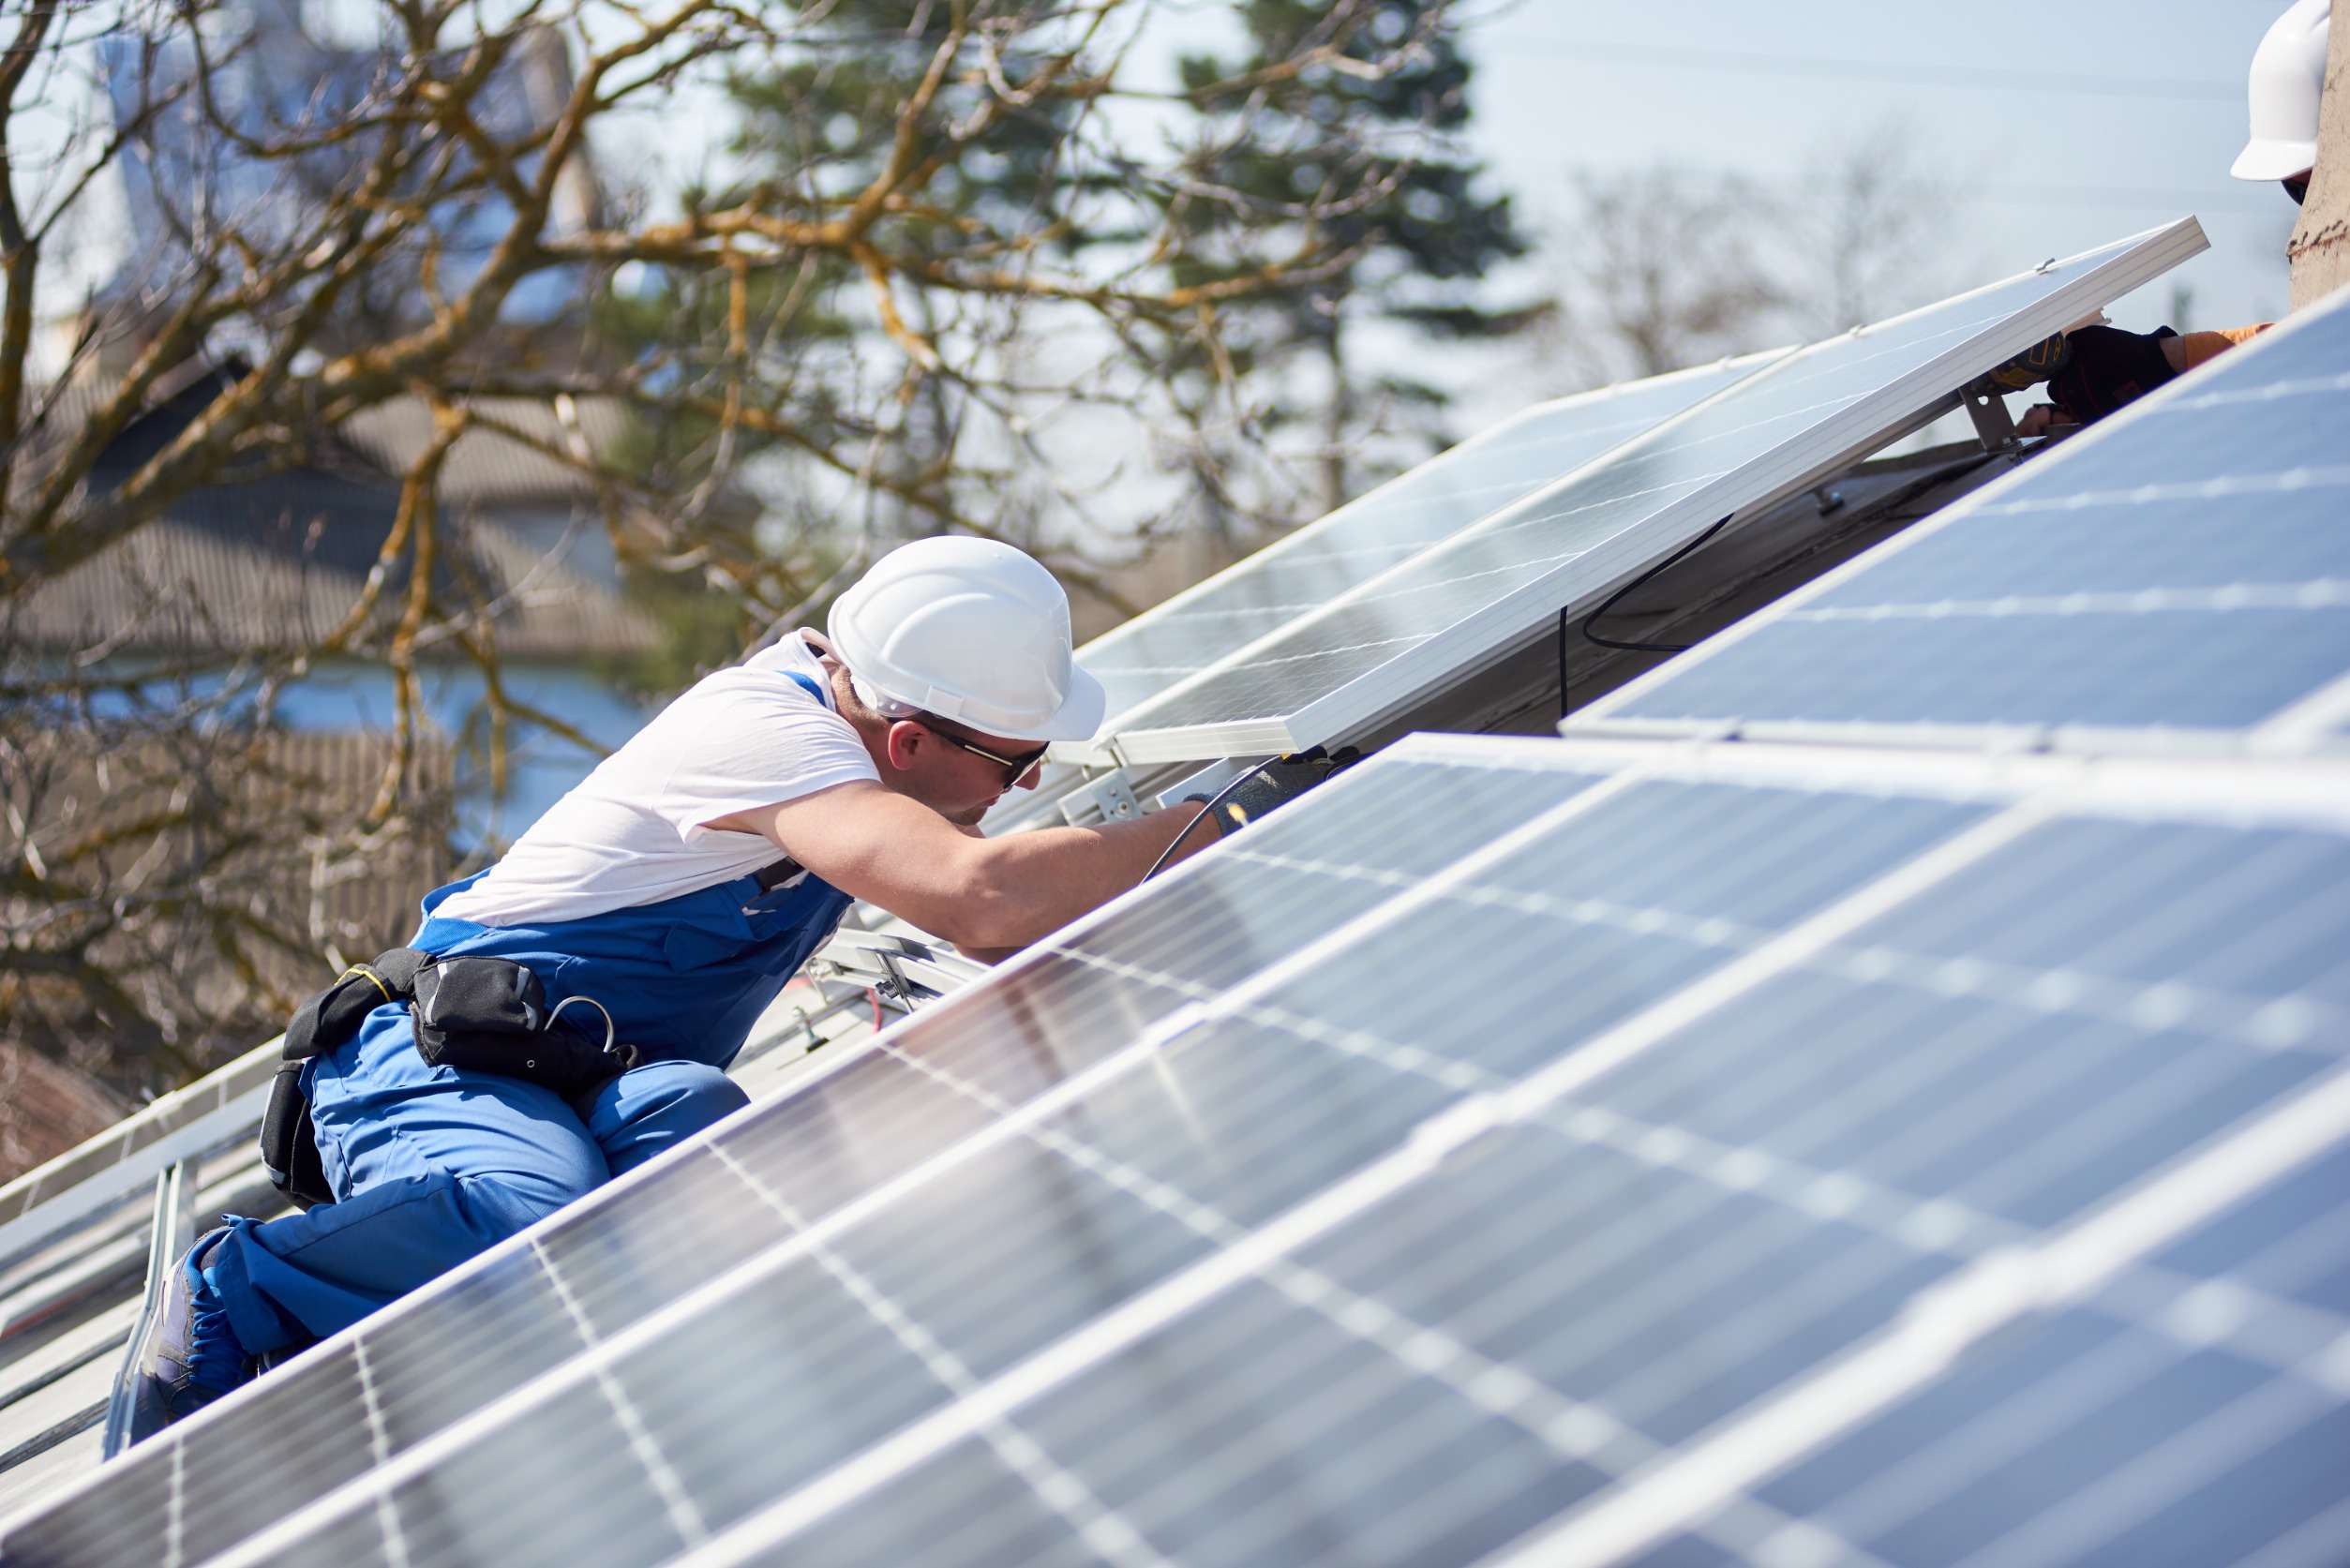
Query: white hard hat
(971, 630)
(2288, 74)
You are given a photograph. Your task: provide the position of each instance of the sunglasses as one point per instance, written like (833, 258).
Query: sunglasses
(1015, 767)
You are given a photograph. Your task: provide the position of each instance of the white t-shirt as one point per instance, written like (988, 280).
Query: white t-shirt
(630, 834)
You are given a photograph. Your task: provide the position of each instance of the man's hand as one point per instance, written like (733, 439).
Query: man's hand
(2028, 369)
(2109, 367)
(2090, 372)
(2101, 369)
(2042, 419)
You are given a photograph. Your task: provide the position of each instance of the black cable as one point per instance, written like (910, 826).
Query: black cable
(1610, 604)
(1643, 578)
(1213, 801)
(1888, 505)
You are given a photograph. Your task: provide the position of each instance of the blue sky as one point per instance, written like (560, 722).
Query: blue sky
(2122, 113)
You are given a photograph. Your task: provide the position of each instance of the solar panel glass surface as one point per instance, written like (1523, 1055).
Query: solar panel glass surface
(1441, 614)
(604, 1267)
(1414, 511)
(2180, 574)
(1969, 1221)
(1759, 1071)
(1410, 514)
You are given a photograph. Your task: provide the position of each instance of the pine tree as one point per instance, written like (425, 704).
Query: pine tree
(1405, 208)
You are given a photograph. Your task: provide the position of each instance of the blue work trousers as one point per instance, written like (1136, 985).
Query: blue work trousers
(431, 1165)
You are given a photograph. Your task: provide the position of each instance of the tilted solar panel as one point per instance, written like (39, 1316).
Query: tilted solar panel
(1659, 1156)
(1455, 610)
(2178, 577)
(1411, 513)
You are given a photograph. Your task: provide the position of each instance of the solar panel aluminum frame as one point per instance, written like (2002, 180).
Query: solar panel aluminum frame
(1515, 620)
(2307, 727)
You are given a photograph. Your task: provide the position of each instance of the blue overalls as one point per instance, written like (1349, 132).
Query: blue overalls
(430, 1165)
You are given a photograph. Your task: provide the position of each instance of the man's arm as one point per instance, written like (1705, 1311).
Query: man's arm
(875, 845)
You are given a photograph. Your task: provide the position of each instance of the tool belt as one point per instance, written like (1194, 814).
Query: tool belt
(488, 1014)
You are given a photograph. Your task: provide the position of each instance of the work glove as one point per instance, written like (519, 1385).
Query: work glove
(1277, 783)
(2090, 372)
(2106, 369)
(2035, 365)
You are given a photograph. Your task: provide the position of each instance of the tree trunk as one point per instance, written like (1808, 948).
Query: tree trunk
(1336, 418)
(2320, 247)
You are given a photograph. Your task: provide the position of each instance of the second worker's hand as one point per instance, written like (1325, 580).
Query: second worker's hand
(2108, 368)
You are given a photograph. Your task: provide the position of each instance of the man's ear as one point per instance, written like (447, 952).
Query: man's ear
(903, 742)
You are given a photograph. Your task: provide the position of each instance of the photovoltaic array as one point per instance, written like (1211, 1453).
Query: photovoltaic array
(1592, 1150)
(1453, 610)
(2180, 580)
(1832, 1154)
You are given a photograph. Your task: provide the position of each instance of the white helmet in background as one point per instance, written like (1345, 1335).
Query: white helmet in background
(970, 630)
(2288, 75)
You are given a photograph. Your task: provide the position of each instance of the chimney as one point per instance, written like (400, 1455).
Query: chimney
(2320, 247)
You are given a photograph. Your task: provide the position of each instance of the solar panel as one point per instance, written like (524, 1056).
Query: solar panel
(639, 1246)
(2177, 577)
(1454, 609)
(1414, 511)
(1602, 1156)
(1410, 514)
(1891, 1153)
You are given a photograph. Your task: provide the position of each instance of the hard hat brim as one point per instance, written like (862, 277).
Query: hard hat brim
(1080, 714)
(2263, 160)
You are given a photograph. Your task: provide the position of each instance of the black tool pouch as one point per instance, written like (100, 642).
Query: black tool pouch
(490, 1015)
(289, 1147)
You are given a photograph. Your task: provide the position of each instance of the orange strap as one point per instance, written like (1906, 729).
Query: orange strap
(2200, 346)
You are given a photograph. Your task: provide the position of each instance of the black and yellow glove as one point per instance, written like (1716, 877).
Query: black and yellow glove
(2109, 368)
(2090, 372)
(2035, 365)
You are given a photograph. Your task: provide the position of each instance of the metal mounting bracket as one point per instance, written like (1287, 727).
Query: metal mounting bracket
(1106, 796)
(1993, 427)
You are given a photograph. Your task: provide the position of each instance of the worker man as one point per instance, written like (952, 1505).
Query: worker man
(673, 892)
(2092, 371)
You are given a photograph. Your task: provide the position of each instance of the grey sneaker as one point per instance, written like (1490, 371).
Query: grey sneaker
(190, 1356)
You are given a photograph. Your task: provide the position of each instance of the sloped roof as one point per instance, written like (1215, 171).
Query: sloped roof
(485, 467)
(46, 1108)
(275, 561)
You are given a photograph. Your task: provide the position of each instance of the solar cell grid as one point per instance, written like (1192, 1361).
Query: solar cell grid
(1793, 1081)
(1411, 513)
(2178, 577)
(1439, 615)
(1657, 1281)
(602, 1268)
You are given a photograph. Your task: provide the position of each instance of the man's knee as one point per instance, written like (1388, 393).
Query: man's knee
(654, 1107)
(493, 1207)
(685, 1097)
